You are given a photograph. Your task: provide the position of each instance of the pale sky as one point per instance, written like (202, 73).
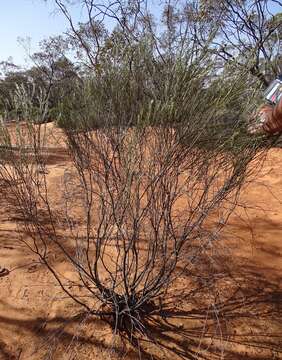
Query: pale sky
(35, 19)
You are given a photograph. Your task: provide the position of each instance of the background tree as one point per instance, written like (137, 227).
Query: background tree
(248, 34)
(52, 72)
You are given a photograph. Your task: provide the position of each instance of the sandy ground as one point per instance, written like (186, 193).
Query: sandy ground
(37, 321)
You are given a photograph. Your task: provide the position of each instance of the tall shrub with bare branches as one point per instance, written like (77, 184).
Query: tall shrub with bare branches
(138, 200)
(157, 167)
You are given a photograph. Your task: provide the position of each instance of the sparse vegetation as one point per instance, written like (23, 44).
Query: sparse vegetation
(151, 121)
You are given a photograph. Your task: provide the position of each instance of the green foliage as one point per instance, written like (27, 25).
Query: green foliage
(136, 79)
(133, 88)
(51, 74)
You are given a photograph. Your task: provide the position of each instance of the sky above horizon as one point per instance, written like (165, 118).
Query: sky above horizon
(28, 19)
(34, 19)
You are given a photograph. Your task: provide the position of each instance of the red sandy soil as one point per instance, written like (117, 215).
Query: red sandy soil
(236, 312)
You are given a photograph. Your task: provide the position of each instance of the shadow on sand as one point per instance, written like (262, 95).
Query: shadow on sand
(227, 316)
